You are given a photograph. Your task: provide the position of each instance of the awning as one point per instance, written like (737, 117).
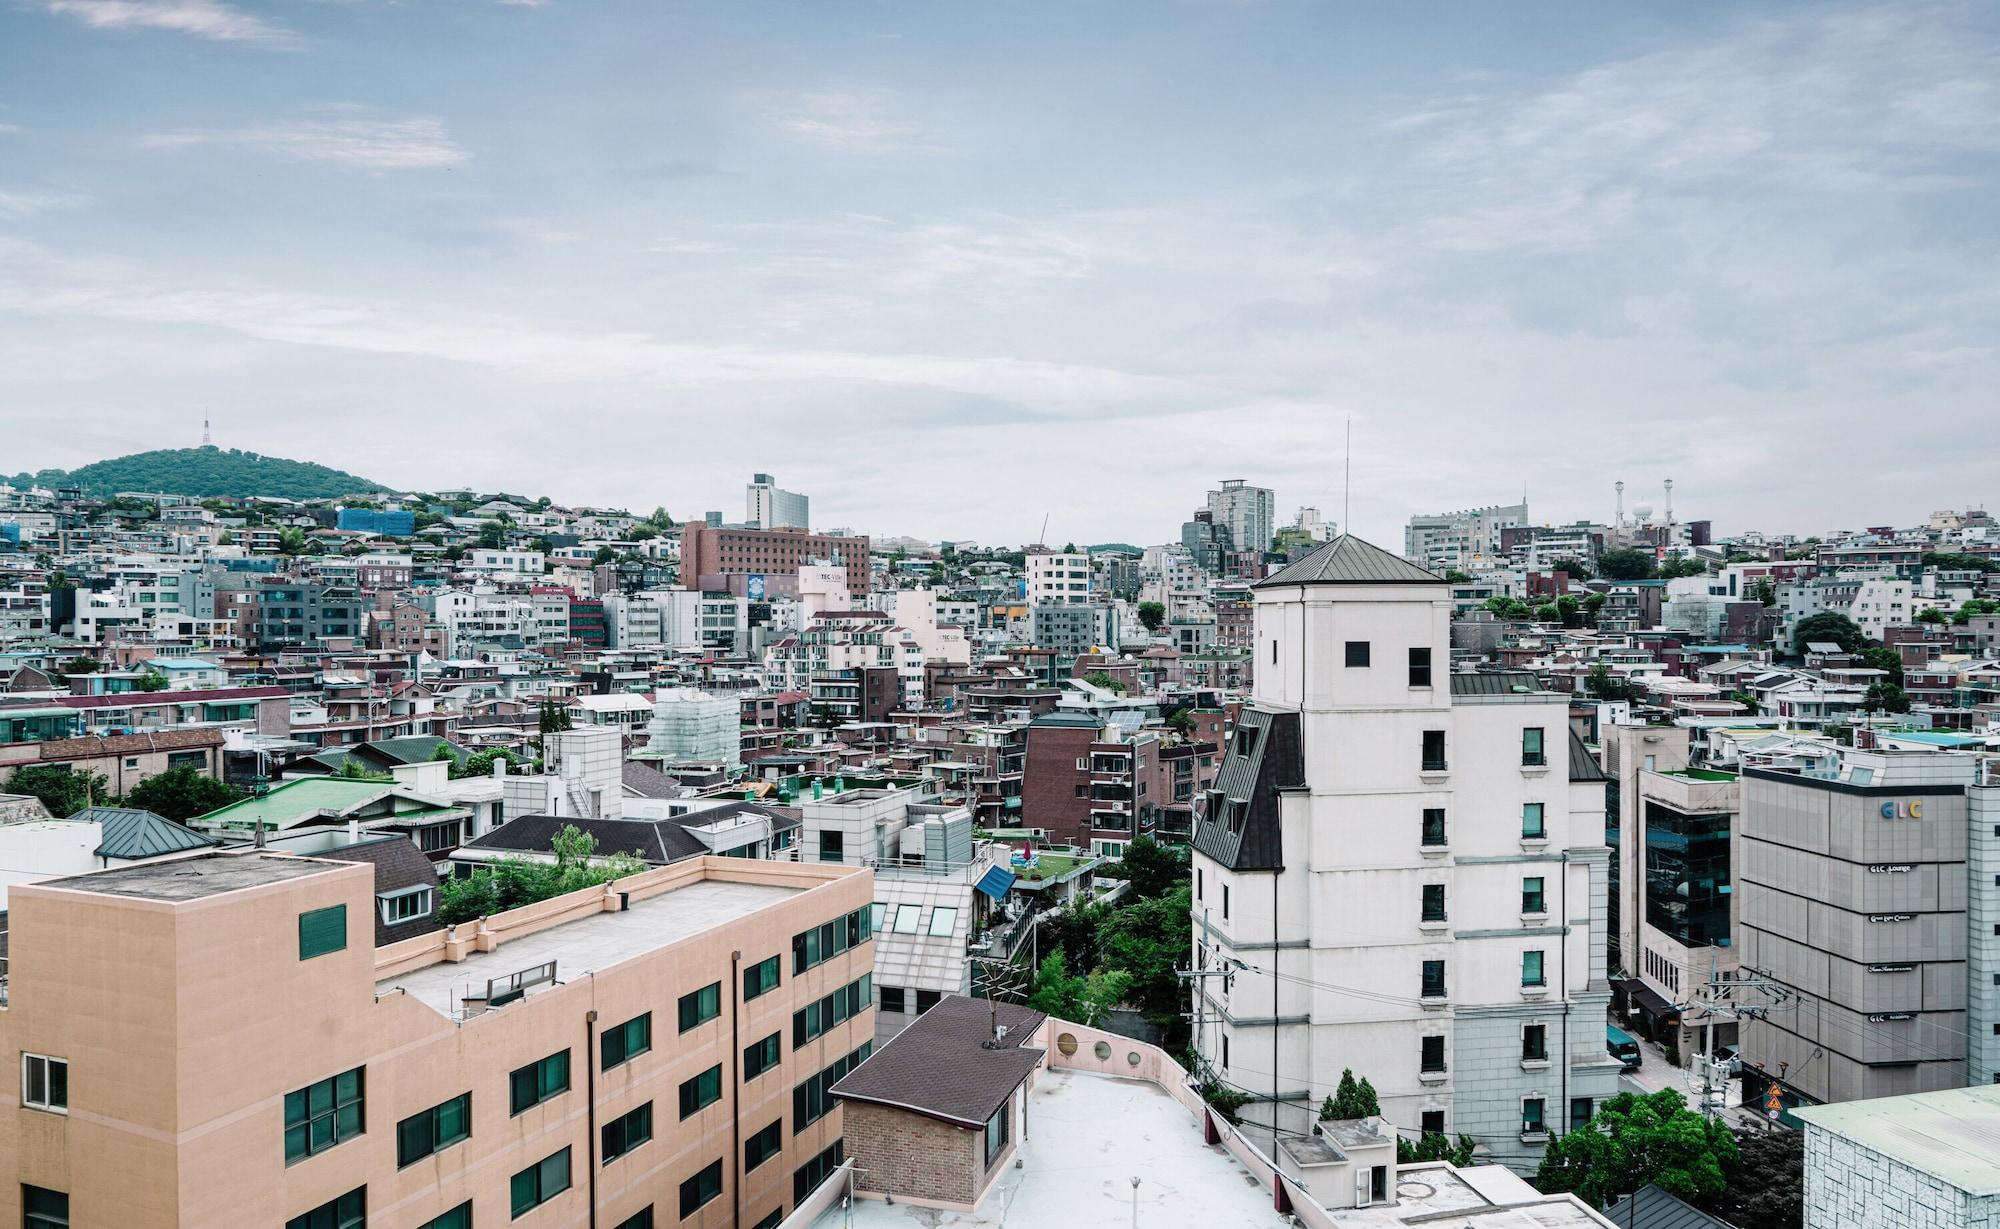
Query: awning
(996, 882)
(1647, 999)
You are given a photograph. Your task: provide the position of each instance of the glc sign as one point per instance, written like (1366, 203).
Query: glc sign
(1913, 809)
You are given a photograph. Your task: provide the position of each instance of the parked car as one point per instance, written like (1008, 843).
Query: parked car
(1620, 1045)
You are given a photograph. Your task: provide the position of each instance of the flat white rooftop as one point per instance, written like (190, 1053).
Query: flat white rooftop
(591, 943)
(1088, 1136)
(1953, 1135)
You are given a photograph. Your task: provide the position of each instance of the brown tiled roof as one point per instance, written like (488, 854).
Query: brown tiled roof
(941, 1067)
(128, 699)
(130, 744)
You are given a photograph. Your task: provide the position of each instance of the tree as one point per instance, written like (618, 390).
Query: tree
(1101, 678)
(80, 665)
(1506, 607)
(1351, 1098)
(1888, 661)
(1766, 1181)
(1886, 698)
(514, 882)
(1548, 612)
(1682, 567)
(604, 555)
(1625, 563)
(1636, 1140)
(1080, 1000)
(1931, 614)
(63, 791)
(151, 680)
(1182, 721)
(1829, 627)
(182, 793)
(1436, 1147)
(1147, 942)
(1593, 604)
(555, 718)
(352, 769)
(1603, 684)
(1762, 591)
(1453, 576)
(480, 763)
(291, 541)
(491, 535)
(1575, 569)
(1973, 607)
(1152, 615)
(1073, 931)
(1151, 868)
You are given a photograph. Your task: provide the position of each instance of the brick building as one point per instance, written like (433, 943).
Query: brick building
(729, 560)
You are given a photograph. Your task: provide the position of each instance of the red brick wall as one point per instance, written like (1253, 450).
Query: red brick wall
(910, 1155)
(1049, 779)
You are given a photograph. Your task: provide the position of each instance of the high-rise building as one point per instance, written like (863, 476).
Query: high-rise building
(1056, 578)
(766, 505)
(1468, 540)
(1400, 871)
(763, 564)
(1249, 513)
(217, 1040)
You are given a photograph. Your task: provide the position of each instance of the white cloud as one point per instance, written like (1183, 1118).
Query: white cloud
(201, 18)
(856, 121)
(15, 205)
(7, 130)
(375, 144)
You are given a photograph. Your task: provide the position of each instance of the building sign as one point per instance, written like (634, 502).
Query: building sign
(1891, 868)
(1885, 1017)
(1892, 917)
(1892, 968)
(753, 588)
(1913, 809)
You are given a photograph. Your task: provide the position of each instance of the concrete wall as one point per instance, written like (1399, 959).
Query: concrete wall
(1856, 1187)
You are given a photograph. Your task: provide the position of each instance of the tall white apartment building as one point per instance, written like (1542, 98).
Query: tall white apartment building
(1468, 540)
(766, 505)
(1249, 511)
(1056, 577)
(1400, 871)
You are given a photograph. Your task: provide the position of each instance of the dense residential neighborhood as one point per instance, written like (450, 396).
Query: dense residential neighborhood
(1438, 863)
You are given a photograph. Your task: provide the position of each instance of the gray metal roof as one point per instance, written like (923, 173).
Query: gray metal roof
(1583, 766)
(1653, 1208)
(1240, 829)
(130, 835)
(1347, 560)
(1496, 683)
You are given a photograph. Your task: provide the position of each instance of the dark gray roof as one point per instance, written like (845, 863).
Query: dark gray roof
(1239, 827)
(941, 1067)
(655, 841)
(398, 864)
(1583, 765)
(1347, 560)
(647, 781)
(1653, 1208)
(1496, 683)
(131, 835)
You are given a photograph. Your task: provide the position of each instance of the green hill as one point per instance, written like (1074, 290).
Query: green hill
(205, 473)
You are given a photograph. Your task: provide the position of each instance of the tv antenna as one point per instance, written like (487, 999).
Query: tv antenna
(205, 441)
(1347, 481)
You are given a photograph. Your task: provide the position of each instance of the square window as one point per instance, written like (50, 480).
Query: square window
(1357, 653)
(698, 1190)
(626, 1132)
(539, 1183)
(349, 1211)
(535, 1083)
(943, 921)
(45, 1083)
(907, 918)
(321, 1115)
(1433, 1122)
(322, 931)
(701, 1092)
(700, 1006)
(927, 999)
(47, 1209)
(627, 1041)
(760, 978)
(893, 999)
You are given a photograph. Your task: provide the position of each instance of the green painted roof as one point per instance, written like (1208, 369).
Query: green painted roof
(296, 801)
(132, 834)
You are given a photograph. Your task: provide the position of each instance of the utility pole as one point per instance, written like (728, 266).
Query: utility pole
(1720, 1001)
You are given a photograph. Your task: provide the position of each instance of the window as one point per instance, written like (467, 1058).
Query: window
(1432, 1122)
(1531, 1116)
(701, 1188)
(1533, 827)
(943, 920)
(764, 1145)
(433, 1130)
(1433, 902)
(1581, 1110)
(1274, 652)
(1357, 653)
(628, 1040)
(1434, 751)
(760, 978)
(927, 999)
(321, 1115)
(1420, 667)
(702, 1091)
(1225, 902)
(626, 1132)
(45, 1083)
(537, 1082)
(46, 1209)
(815, 1018)
(828, 939)
(459, 1217)
(701, 1006)
(1534, 1043)
(807, 1177)
(1534, 899)
(812, 1099)
(877, 914)
(996, 1130)
(349, 1211)
(322, 931)
(1433, 979)
(433, 838)
(776, 1218)
(760, 1056)
(539, 1183)
(1433, 826)
(404, 906)
(832, 845)
(1433, 1054)
(1531, 969)
(893, 999)
(1531, 748)
(907, 918)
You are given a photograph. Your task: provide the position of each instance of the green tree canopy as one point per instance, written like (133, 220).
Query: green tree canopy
(1147, 942)
(1507, 607)
(1672, 568)
(1152, 615)
(1639, 1140)
(1626, 563)
(182, 793)
(63, 791)
(1081, 1000)
(514, 882)
(151, 680)
(1931, 614)
(1575, 568)
(1889, 661)
(1101, 678)
(1151, 868)
(1830, 627)
(80, 665)
(1766, 1181)
(1351, 1098)
(1972, 607)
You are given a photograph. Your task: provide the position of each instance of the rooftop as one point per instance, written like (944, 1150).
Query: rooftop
(593, 942)
(1075, 1172)
(1952, 1135)
(943, 1067)
(1349, 560)
(178, 879)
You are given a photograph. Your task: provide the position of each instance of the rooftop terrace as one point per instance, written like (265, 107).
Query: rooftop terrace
(176, 879)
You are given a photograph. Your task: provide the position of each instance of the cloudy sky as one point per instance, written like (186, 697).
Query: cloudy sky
(949, 268)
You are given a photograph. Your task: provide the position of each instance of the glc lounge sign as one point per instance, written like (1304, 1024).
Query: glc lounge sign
(1913, 809)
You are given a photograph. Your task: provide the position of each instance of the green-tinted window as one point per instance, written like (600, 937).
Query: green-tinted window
(322, 931)
(628, 1040)
(760, 978)
(701, 1188)
(537, 1082)
(626, 1132)
(539, 1183)
(702, 1006)
(764, 1145)
(812, 1099)
(702, 1091)
(434, 1129)
(321, 1115)
(349, 1211)
(829, 939)
(1531, 969)
(642, 1219)
(807, 1177)
(776, 1218)
(760, 1057)
(459, 1217)
(46, 1209)
(817, 1017)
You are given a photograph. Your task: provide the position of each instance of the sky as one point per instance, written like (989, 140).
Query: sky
(952, 268)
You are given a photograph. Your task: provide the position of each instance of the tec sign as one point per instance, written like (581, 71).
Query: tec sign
(1912, 809)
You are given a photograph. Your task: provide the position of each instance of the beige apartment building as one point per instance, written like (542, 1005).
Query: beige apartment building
(214, 1041)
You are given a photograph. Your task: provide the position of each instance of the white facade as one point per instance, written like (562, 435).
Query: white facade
(1056, 577)
(768, 506)
(1249, 511)
(1468, 540)
(1327, 954)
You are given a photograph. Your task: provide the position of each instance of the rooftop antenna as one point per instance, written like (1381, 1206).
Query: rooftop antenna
(1347, 482)
(205, 441)
(1044, 539)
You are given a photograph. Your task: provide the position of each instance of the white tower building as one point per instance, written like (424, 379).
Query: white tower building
(1400, 871)
(693, 727)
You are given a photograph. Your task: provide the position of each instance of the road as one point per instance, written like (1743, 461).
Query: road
(1654, 1074)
